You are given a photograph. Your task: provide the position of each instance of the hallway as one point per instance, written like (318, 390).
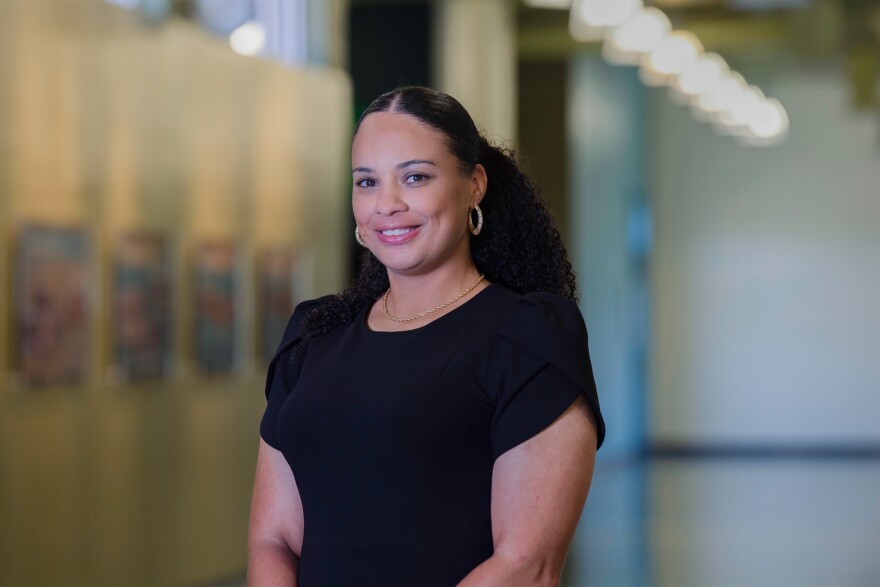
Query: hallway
(730, 522)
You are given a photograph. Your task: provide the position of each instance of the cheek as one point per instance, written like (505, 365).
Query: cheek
(443, 214)
(454, 210)
(359, 209)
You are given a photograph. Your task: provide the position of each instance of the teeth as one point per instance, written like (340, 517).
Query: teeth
(396, 231)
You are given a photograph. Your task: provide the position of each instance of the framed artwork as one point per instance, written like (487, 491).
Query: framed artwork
(276, 298)
(51, 306)
(215, 307)
(142, 305)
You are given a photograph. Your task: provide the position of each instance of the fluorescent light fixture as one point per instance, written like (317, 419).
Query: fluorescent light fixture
(606, 13)
(581, 31)
(642, 32)
(701, 75)
(649, 77)
(249, 39)
(675, 53)
(636, 35)
(770, 121)
(748, 107)
(729, 92)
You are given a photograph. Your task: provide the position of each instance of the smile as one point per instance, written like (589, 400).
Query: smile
(396, 231)
(398, 235)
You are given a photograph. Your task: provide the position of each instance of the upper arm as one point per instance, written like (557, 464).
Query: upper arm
(539, 488)
(276, 509)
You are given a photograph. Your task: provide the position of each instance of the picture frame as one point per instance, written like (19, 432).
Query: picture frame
(51, 306)
(142, 307)
(215, 301)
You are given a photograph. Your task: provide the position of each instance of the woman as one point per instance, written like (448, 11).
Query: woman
(437, 422)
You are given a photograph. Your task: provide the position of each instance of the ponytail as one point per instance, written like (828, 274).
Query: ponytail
(520, 245)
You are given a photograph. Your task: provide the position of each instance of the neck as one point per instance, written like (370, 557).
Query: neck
(411, 294)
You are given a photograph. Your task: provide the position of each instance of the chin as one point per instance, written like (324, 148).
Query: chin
(399, 267)
(399, 263)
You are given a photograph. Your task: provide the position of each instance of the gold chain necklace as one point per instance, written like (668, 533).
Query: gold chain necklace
(426, 312)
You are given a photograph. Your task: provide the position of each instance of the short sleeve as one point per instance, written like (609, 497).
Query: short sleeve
(278, 381)
(538, 365)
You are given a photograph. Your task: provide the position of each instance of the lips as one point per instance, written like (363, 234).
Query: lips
(396, 231)
(397, 234)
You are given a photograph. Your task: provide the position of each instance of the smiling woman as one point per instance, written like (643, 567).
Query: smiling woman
(436, 422)
(421, 201)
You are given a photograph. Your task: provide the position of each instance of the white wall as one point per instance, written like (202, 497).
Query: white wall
(766, 273)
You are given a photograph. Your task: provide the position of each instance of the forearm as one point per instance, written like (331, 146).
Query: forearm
(271, 564)
(501, 571)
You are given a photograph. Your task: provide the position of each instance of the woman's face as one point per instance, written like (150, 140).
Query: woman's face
(409, 196)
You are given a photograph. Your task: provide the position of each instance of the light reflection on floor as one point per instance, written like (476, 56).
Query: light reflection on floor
(730, 523)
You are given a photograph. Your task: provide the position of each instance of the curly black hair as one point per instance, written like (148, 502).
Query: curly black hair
(519, 245)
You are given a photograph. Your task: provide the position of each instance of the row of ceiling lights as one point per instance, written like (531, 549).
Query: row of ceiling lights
(635, 35)
(632, 34)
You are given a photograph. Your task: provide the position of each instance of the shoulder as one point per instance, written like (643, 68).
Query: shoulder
(292, 334)
(542, 323)
(544, 330)
(536, 313)
(306, 306)
(294, 323)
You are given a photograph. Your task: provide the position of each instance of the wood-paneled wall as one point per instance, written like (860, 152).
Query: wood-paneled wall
(112, 125)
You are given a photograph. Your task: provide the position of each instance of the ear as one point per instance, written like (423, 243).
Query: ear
(479, 181)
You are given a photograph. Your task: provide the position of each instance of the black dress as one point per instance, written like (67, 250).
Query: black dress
(392, 436)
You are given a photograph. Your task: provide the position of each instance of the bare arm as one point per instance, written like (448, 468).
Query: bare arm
(538, 493)
(276, 523)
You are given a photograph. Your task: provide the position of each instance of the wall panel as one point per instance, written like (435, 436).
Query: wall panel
(113, 126)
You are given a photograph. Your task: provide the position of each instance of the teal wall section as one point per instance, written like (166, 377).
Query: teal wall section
(609, 228)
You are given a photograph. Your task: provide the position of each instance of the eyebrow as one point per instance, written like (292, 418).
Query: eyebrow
(399, 165)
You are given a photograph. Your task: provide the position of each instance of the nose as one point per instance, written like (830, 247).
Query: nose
(388, 200)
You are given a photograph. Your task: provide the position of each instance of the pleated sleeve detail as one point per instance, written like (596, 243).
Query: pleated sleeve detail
(279, 378)
(538, 365)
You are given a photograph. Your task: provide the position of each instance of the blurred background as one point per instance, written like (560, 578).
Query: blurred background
(174, 178)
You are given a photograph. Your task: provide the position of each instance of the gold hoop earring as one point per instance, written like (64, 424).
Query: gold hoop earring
(475, 230)
(357, 237)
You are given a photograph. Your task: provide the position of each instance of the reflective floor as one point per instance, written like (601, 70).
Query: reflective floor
(730, 523)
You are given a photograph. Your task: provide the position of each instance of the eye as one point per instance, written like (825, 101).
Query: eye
(416, 178)
(366, 182)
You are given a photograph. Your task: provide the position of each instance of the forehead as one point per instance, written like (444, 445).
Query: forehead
(396, 134)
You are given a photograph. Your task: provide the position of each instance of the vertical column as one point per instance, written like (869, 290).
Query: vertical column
(304, 31)
(610, 237)
(475, 60)
(327, 32)
(286, 29)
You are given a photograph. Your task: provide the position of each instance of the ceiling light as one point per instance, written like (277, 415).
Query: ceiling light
(642, 33)
(675, 53)
(751, 101)
(717, 98)
(249, 39)
(770, 121)
(607, 13)
(703, 73)
(729, 92)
